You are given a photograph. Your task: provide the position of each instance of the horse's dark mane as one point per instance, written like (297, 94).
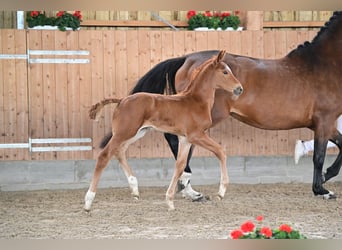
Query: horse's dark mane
(329, 28)
(156, 79)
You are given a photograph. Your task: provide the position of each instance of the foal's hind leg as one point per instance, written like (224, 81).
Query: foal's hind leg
(102, 161)
(132, 180)
(121, 156)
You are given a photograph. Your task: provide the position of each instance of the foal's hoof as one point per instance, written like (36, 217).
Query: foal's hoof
(170, 205)
(219, 197)
(136, 197)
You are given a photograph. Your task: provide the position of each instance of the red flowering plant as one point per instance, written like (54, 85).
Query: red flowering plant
(62, 20)
(213, 20)
(248, 230)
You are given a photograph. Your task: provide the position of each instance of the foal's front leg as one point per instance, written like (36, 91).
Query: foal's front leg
(206, 142)
(183, 149)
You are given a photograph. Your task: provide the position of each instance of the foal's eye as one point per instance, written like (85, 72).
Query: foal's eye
(225, 72)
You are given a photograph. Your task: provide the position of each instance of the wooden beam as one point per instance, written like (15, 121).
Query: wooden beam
(293, 24)
(132, 23)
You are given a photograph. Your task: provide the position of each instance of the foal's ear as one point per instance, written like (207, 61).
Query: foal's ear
(220, 56)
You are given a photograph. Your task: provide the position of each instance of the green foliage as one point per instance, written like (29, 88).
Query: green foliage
(213, 20)
(230, 21)
(199, 20)
(62, 20)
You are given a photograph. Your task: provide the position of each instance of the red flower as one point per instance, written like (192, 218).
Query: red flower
(259, 218)
(190, 14)
(60, 13)
(236, 234)
(248, 226)
(266, 231)
(207, 13)
(285, 228)
(77, 14)
(217, 14)
(224, 14)
(34, 13)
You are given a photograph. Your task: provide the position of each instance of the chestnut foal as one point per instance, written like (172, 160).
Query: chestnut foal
(186, 114)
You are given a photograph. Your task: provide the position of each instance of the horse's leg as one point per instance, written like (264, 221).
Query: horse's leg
(184, 185)
(206, 142)
(183, 149)
(334, 169)
(320, 146)
(102, 161)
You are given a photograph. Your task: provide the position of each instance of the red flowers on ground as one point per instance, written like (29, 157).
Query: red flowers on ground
(236, 234)
(248, 226)
(259, 218)
(249, 231)
(266, 231)
(286, 228)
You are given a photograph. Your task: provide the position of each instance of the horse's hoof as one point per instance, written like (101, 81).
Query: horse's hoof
(136, 197)
(328, 196)
(198, 197)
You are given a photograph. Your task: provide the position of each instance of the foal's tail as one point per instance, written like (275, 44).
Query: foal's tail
(94, 110)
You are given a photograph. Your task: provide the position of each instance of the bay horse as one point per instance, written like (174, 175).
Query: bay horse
(301, 89)
(187, 115)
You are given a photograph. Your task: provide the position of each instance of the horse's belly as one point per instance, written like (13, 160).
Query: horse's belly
(273, 121)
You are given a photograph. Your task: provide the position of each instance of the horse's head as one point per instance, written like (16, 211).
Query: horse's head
(224, 77)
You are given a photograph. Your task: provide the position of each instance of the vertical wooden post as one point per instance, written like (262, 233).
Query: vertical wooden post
(253, 20)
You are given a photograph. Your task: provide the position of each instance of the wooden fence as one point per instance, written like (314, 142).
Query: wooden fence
(49, 79)
(118, 19)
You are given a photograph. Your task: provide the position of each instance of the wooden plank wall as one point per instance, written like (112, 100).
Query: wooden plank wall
(13, 95)
(61, 94)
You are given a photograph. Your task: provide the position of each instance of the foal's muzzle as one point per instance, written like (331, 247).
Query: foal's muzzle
(238, 91)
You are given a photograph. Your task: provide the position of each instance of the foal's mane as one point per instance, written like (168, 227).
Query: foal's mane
(329, 28)
(202, 68)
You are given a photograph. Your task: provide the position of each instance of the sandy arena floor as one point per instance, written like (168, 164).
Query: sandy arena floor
(59, 214)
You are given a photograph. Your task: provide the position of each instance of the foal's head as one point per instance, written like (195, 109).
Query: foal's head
(218, 73)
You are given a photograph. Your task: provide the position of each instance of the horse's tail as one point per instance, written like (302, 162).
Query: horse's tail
(94, 110)
(159, 79)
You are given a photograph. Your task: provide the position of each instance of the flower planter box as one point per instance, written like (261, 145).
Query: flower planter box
(218, 29)
(48, 27)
